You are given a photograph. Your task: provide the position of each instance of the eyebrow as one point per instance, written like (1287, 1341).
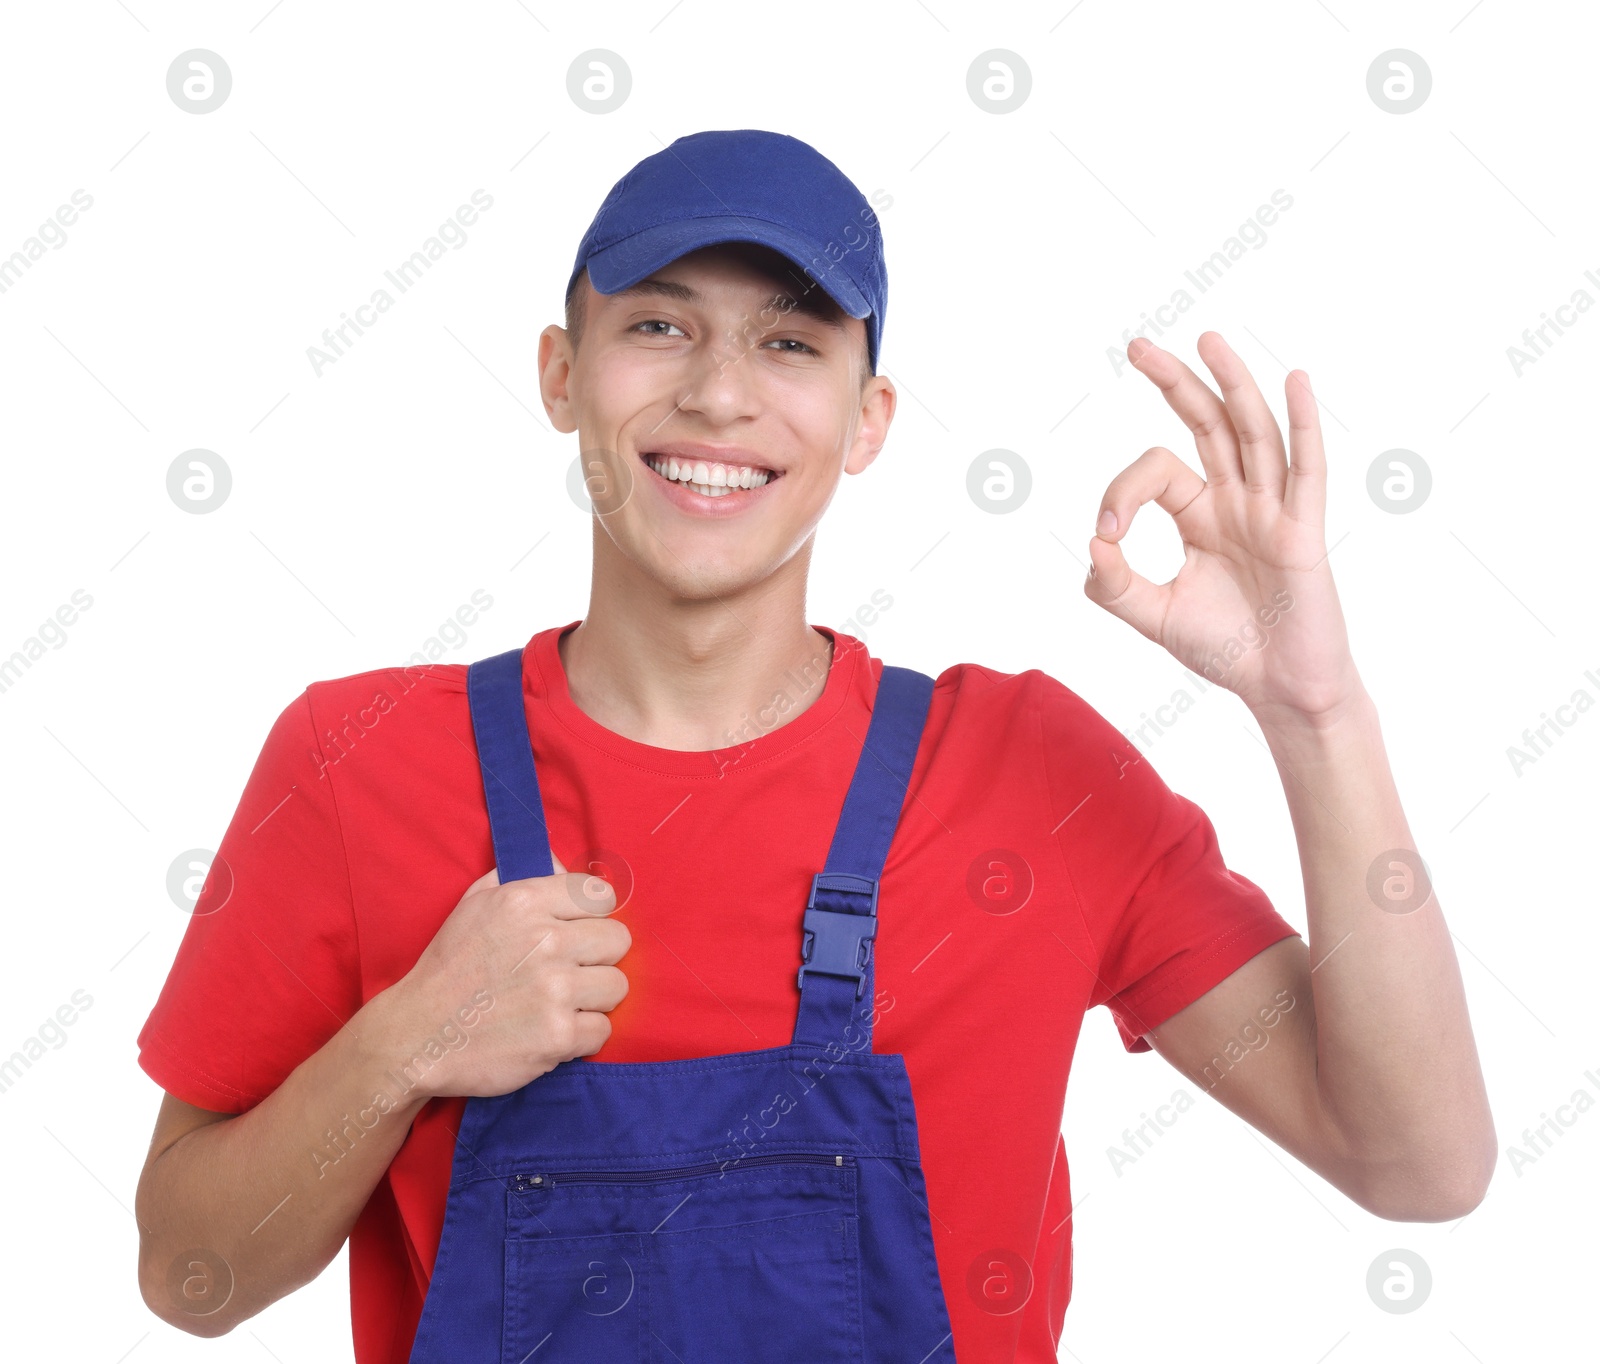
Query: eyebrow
(813, 302)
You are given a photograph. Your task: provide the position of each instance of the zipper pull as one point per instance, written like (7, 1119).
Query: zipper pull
(528, 1183)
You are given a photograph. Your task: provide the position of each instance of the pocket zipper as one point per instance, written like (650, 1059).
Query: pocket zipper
(526, 1183)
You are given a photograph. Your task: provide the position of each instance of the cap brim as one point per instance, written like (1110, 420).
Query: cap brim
(625, 263)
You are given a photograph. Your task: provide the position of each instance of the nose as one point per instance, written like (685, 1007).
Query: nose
(723, 383)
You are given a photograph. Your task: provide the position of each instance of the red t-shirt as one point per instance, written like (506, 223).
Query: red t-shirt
(1040, 867)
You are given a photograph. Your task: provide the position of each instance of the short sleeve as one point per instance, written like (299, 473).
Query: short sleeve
(1169, 918)
(267, 970)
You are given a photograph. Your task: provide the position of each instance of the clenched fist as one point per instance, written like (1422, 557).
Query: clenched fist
(532, 964)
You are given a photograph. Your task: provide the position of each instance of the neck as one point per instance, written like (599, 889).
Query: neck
(696, 675)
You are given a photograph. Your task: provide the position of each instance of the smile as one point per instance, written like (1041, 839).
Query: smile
(709, 478)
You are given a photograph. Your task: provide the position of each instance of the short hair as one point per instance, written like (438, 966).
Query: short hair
(812, 300)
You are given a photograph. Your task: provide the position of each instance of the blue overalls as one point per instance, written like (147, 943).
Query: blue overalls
(762, 1205)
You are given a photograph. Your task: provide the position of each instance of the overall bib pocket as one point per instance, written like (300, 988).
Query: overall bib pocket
(698, 1264)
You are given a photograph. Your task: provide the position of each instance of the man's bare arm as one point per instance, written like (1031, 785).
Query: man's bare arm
(1376, 1081)
(236, 1212)
(1370, 1074)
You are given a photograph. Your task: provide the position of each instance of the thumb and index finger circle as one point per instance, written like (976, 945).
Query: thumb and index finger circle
(1157, 476)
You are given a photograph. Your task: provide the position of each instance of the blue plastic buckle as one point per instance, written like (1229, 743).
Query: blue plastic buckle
(837, 942)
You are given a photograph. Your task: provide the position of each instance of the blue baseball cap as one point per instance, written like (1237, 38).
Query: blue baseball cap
(742, 185)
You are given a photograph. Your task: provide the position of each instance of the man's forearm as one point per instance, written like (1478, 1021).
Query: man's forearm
(239, 1213)
(1397, 1068)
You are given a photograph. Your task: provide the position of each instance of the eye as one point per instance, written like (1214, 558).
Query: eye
(800, 347)
(649, 325)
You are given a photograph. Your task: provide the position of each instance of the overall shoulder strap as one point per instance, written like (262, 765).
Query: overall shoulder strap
(841, 916)
(505, 755)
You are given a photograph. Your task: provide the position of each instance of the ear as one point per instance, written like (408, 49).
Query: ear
(555, 372)
(878, 400)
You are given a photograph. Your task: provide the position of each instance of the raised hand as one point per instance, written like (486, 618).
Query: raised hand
(1253, 609)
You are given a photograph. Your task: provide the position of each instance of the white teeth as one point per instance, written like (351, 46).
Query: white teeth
(709, 480)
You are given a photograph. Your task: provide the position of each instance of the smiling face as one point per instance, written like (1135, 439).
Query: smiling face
(716, 403)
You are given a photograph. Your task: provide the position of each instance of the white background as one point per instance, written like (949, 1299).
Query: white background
(368, 503)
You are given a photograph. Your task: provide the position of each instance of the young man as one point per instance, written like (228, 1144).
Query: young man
(354, 981)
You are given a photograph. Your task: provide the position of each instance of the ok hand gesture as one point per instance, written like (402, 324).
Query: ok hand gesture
(1253, 608)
